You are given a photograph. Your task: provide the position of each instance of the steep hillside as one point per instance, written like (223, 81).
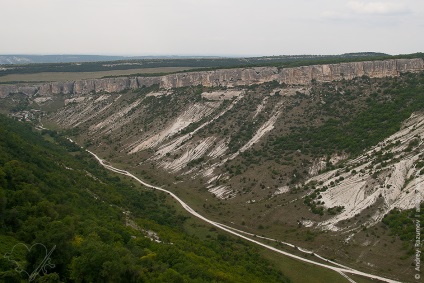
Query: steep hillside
(385, 177)
(317, 156)
(101, 228)
(221, 134)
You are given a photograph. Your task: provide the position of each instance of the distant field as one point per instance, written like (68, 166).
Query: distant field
(65, 76)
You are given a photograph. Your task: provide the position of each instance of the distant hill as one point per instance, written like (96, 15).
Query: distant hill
(42, 59)
(31, 59)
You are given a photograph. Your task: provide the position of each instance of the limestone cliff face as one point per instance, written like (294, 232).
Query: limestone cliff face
(227, 77)
(223, 77)
(299, 75)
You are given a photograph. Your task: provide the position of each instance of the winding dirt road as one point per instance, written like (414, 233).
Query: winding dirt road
(341, 269)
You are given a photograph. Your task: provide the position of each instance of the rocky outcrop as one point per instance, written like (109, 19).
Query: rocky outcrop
(227, 77)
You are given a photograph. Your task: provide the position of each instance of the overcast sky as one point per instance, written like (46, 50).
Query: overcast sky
(210, 27)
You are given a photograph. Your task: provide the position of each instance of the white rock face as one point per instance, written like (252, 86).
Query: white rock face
(264, 129)
(221, 192)
(397, 185)
(193, 152)
(192, 115)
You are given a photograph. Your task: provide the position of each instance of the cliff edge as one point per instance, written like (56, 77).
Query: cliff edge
(226, 77)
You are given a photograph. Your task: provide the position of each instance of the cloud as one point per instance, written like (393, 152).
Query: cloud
(377, 8)
(337, 16)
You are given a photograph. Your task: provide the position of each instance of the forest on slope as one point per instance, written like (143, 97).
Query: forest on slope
(102, 228)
